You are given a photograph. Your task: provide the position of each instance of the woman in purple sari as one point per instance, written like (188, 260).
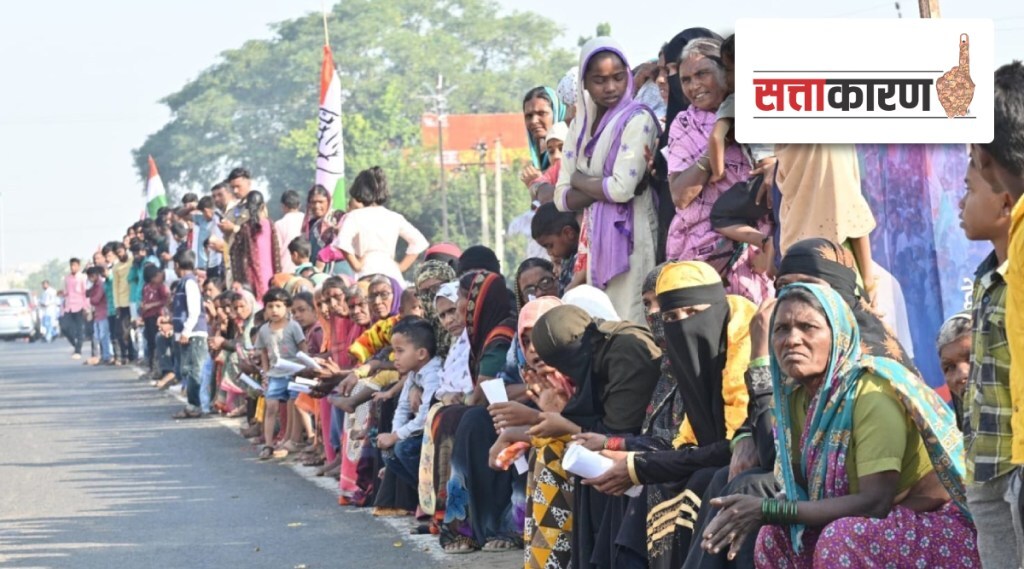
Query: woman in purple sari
(690, 236)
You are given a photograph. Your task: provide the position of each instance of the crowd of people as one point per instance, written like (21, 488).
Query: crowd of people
(703, 316)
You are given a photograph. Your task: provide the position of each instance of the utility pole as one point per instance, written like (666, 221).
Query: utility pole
(499, 224)
(929, 8)
(438, 97)
(485, 218)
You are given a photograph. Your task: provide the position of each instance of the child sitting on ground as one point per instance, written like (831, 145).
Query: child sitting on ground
(559, 233)
(280, 338)
(415, 351)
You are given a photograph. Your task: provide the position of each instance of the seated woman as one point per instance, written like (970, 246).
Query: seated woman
(708, 345)
(614, 367)
(870, 459)
(470, 502)
(954, 345)
(549, 496)
(456, 385)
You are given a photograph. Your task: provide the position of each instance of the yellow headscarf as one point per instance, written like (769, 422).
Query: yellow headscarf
(692, 283)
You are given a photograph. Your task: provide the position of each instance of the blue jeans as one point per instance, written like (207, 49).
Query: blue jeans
(101, 333)
(404, 462)
(337, 420)
(206, 385)
(191, 361)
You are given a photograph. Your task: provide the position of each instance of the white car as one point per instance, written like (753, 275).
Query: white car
(18, 315)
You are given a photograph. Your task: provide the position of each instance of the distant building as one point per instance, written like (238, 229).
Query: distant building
(463, 134)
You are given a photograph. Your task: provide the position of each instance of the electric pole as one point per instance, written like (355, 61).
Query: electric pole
(438, 97)
(499, 224)
(485, 218)
(929, 8)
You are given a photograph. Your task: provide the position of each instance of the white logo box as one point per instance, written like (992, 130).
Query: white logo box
(894, 53)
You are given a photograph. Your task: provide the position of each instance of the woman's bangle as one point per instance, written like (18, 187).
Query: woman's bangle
(778, 512)
(702, 167)
(614, 443)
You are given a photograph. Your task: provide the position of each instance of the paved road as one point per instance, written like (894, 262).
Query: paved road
(94, 473)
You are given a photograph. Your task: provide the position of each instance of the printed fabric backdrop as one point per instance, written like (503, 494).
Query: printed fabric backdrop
(914, 191)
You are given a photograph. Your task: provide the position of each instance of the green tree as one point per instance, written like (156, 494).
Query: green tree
(604, 29)
(257, 105)
(53, 270)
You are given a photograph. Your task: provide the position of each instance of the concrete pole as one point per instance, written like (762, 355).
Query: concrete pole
(499, 224)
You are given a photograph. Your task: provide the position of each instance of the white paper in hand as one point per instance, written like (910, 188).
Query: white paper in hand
(251, 382)
(298, 387)
(307, 361)
(285, 368)
(586, 463)
(494, 390)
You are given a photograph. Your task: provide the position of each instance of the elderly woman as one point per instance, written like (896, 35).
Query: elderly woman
(691, 236)
(954, 345)
(603, 174)
(870, 459)
(614, 367)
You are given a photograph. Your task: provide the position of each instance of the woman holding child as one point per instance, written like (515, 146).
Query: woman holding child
(691, 236)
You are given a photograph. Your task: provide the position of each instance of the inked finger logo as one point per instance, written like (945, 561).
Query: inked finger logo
(955, 87)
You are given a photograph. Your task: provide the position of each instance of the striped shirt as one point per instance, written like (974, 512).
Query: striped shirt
(987, 434)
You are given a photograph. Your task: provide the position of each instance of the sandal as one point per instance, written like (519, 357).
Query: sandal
(165, 381)
(500, 545)
(421, 529)
(237, 412)
(390, 513)
(460, 545)
(266, 453)
(187, 413)
(314, 460)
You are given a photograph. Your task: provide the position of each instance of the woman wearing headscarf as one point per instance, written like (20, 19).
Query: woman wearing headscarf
(691, 235)
(668, 62)
(614, 367)
(255, 255)
(603, 174)
(594, 301)
(708, 345)
(870, 458)
(821, 261)
(430, 276)
(456, 385)
(471, 506)
(541, 110)
(549, 495)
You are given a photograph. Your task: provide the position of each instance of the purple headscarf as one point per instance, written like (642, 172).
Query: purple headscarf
(611, 235)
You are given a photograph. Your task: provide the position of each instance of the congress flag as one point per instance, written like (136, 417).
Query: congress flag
(156, 196)
(330, 153)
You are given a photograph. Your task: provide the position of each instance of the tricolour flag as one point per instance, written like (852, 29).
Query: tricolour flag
(156, 196)
(330, 152)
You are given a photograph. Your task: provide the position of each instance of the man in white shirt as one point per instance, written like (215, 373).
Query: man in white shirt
(289, 227)
(50, 311)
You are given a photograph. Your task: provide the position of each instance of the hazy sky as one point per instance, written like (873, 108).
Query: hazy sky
(82, 81)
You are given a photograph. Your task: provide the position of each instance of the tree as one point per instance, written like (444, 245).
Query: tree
(257, 105)
(604, 29)
(54, 271)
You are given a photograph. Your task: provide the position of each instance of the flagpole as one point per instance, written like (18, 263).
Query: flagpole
(327, 37)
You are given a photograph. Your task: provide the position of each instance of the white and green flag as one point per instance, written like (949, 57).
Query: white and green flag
(156, 196)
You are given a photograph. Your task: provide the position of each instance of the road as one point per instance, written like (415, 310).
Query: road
(95, 474)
